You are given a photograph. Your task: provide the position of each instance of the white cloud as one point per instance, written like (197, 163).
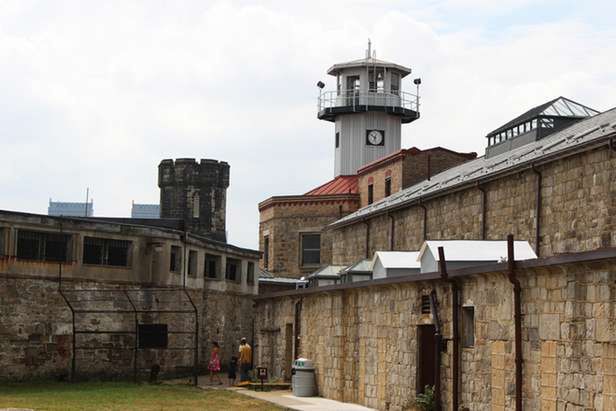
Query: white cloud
(96, 94)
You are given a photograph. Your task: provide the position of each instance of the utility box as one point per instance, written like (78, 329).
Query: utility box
(302, 380)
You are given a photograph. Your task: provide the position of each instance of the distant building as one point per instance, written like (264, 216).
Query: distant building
(145, 211)
(67, 209)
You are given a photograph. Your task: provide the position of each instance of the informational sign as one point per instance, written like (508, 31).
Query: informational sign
(262, 375)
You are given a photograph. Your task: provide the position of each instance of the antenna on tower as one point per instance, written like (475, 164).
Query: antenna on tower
(369, 51)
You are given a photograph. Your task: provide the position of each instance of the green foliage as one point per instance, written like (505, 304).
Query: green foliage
(426, 400)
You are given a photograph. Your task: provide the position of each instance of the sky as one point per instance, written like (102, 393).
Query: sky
(95, 94)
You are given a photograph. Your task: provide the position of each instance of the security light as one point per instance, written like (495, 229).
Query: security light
(320, 84)
(417, 81)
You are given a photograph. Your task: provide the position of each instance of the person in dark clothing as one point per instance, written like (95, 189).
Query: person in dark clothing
(232, 369)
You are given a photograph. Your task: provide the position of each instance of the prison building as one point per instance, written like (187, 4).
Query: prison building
(148, 211)
(68, 209)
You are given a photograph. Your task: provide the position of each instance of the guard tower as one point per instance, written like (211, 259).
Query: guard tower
(368, 108)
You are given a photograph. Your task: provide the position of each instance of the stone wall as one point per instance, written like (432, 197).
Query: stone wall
(570, 221)
(36, 328)
(364, 341)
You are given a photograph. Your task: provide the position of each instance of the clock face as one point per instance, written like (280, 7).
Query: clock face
(375, 137)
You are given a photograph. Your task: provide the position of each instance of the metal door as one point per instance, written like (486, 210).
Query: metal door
(426, 357)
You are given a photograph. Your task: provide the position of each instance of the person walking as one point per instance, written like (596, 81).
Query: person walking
(214, 364)
(245, 359)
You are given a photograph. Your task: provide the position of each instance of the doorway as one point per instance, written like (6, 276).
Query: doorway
(426, 357)
(352, 89)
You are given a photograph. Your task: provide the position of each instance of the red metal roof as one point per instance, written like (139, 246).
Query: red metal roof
(339, 185)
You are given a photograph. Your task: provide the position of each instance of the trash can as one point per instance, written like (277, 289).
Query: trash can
(302, 380)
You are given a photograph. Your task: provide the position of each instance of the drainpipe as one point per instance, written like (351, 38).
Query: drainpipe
(438, 341)
(367, 222)
(517, 319)
(484, 207)
(70, 306)
(537, 209)
(425, 221)
(392, 229)
(455, 303)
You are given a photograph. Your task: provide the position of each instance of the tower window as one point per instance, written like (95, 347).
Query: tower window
(338, 84)
(195, 210)
(370, 193)
(310, 249)
(395, 83)
(387, 186)
(266, 252)
(337, 139)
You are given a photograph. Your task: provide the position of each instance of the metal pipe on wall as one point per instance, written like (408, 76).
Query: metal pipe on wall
(425, 221)
(537, 210)
(367, 222)
(484, 209)
(455, 304)
(392, 229)
(438, 341)
(517, 291)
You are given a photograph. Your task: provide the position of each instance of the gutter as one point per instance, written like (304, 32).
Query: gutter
(455, 308)
(517, 291)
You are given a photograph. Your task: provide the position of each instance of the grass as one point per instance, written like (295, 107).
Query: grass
(52, 396)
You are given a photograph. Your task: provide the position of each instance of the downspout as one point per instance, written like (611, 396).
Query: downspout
(392, 229)
(517, 319)
(484, 208)
(438, 341)
(537, 209)
(455, 303)
(73, 357)
(367, 222)
(195, 311)
(425, 221)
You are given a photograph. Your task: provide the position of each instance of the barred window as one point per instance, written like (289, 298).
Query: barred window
(212, 266)
(105, 251)
(233, 272)
(34, 245)
(192, 263)
(175, 259)
(250, 275)
(2, 242)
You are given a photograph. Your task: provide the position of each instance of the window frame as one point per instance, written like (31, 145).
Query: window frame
(42, 238)
(238, 270)
(193, 263)
(370, 193)
(207, 260)
(266, 246)
(302, 250)
(468, 326)
(175, 256)
(250, 272)
(387, 186)
(105, 245)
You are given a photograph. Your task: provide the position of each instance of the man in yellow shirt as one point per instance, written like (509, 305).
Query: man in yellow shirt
(245, 359)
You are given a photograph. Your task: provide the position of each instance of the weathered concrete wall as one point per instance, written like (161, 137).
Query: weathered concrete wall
(578, 212)
(364, 341)
(36, 328)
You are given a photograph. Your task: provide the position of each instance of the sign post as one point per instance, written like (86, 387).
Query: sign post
(262, 374)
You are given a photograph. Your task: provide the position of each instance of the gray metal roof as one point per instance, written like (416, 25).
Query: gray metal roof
(365, 62)
(579, 134)
(362, 266)
(327, 271)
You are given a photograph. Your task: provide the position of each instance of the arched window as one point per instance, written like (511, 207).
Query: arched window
(195, 205)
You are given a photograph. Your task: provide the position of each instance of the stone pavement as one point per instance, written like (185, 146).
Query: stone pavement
(287, 400)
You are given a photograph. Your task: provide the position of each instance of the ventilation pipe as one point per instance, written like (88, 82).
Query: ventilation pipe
(517, 291)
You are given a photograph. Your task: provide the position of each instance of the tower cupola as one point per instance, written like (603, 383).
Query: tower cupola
(368, 107)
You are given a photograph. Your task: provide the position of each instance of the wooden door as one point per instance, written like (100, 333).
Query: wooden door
(426, 357)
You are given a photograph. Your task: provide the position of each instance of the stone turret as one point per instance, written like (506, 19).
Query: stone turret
(195, 192)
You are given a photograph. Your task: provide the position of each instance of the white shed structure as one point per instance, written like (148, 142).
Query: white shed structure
(360, 271)
(395, 264)
(468, 253)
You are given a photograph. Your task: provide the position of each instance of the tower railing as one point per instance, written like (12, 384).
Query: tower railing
(352, 98)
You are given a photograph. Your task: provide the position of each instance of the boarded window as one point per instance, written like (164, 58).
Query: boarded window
(425, 304)
(153, 336)
(250, 274)
(387, 186)
(311, 249)
(104, 251)
(33, 245)
(233, 269)
(370, 193)
(175, 260)
(192, 263)
(266, 252)
(468, 326)
(337, 139)
(212, 266)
